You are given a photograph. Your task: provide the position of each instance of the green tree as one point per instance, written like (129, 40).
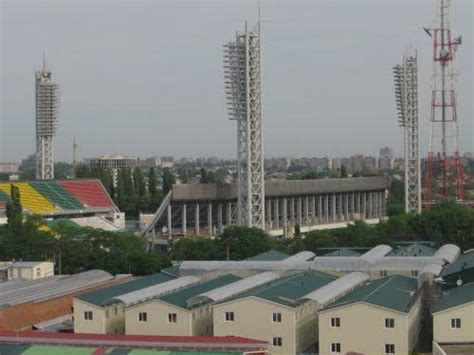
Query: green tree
(343, 171)
(14, 210)
(168, 179)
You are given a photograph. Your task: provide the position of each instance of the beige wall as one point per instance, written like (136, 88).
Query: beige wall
(442, 331)
(253, 319)
(106, 320)
(41, 270)
(363, 329)
(157, 324)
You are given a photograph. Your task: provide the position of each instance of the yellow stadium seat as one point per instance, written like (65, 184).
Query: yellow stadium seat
(30, 199)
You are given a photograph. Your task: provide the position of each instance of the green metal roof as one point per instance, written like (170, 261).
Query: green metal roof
(455, 297)
(270, 255)
(172, 270)
(55, 223)
(180, 298)
(465, 261)
(394, 292)
(343, 252)
(414, 249)
(104, 296)
(325, 251)
(288, 290)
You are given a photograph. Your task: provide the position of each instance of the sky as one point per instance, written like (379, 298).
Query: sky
(145, 77)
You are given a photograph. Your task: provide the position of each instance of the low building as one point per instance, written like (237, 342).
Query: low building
(276, 312)
(382, 317)
(27, 270)
(24, 303)
(172, 315)
(462, 270)
(100, 312)
(453, 316)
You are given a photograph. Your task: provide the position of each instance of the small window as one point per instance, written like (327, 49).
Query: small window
(335, 348)
(336, 322)
(389, 323)
(276, 317)
(142, 317)
(389, 348)
(383, 273)
(172, 318)
(38, 272)
(229, 316)
(456, 323)
(414, 273)
(88, 315)
(277, 342)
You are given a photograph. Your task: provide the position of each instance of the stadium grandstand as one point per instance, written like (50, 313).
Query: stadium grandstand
(83, 202)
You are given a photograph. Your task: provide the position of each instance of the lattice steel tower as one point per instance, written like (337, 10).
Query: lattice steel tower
(47, 112)
(444, 175)
(406, 94)
(243, 89)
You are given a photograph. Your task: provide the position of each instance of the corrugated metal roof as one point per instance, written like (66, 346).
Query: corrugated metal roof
(376, 252)
(105, 296)
(269, 255)
(343, 252)
(301, 256)
(448, 252)
(455, 297)
(51, 287)
(414, 249)
(239, 286)
(337, 288)
(464, 262)
(154, 291)
(180, 298)
(394, 292)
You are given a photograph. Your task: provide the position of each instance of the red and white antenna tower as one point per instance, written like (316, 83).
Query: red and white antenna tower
(444, 174)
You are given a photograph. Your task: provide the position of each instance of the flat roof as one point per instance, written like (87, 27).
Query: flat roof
(289, 290)
(104, 296)
(394, 292)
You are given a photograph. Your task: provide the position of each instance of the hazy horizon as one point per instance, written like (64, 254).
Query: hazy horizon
(145, 77)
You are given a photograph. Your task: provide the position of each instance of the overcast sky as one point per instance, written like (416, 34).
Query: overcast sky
(145, 77)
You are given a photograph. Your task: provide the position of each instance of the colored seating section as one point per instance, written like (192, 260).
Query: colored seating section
(46, 196)
(56, 194)
(30, 199)
(90, 192)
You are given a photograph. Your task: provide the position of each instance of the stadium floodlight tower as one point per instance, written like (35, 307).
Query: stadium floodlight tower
(47, 112)
(243, 89)
(406, 94)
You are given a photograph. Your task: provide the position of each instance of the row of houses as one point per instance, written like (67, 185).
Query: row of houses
(293, 310)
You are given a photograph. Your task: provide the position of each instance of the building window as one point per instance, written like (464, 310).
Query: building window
(38, 272)
(383, 273)
(336, 322)
(389, 348)
(276, 317)
(142, 317)
(88, 315)
(229, 316)
(456, 323)
(335, 348)
(277, 342)
(389, 323)
(172, 318)
(414, 273)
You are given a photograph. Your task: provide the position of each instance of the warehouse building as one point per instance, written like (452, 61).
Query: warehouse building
(101, 312)
(172, 314)
(381, 317)
(275, 312)
(24, 303)
(453, 316)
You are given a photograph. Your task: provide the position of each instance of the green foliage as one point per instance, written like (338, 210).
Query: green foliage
(28, 174)
(196, 248)
(168, 179)
(14, 211)
(207, 177)
(343, 171)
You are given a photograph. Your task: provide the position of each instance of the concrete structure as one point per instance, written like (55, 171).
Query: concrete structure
(406, 92)
(205, 209)
(243, 87)
(26, 270)
(100, 312)
(382, 317)
(47, 113)
(9, 168)
(24, 303)
(113, 162)
(172, 314)
(453, 316)
(28, 342)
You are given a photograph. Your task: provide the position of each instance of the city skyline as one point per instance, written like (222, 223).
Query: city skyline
(155, 100)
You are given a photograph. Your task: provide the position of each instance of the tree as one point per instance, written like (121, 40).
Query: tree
(168, 180)
(343, 171)
(14, 210)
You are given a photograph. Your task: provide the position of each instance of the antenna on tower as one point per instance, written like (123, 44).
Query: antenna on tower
(74, 157)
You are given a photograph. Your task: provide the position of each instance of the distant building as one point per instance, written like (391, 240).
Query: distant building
(114, 162)
(151, 162)
(382, 317)
(26, 270)
(9, 168)
(386, 159)
(28, 163)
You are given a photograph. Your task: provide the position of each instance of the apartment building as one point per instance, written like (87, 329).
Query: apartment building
(381, 317)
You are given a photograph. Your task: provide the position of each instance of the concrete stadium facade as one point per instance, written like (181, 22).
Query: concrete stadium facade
(206, 209)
